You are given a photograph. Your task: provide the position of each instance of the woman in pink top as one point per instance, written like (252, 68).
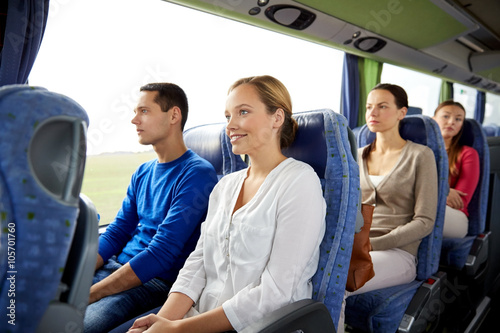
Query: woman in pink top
(464, 168)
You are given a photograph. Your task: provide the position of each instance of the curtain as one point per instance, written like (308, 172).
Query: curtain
(370, 72)
(25, 24)
(480, 106)
(349, 104)
(446, 92)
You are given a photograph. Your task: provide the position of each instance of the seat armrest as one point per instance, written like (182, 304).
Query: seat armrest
(307, 315)
(478, 254)
(102, 229)
(422, 310)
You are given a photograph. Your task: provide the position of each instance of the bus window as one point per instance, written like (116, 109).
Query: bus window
(492, 112)
(465, 96)
(104, 63)
(422, 89)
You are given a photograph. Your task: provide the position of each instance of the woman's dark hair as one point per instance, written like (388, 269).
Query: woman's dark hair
(400, 96)
(275, 96)
(455, 147)
(401, 100)
(169, 95)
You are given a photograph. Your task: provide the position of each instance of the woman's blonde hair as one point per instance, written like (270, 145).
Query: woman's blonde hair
(455, 147)
(275, 96)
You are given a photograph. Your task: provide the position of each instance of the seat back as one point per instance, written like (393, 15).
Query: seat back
(68, 307)
(322, 141)
(211, 143)
(493, 215)
(413, 110)
(382, 310)
(456, 252)
(42, 159)
(491, 130)
(424, 130)
(474, 136)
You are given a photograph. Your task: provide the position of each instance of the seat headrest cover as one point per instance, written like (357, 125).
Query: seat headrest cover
(410, 129)
(52, 129)
(467, 137)
(211, 143)
(474, 136)
(412, 110)
(205, 140)
(310, 145)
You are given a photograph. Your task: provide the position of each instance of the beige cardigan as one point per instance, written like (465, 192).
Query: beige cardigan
(405, 200)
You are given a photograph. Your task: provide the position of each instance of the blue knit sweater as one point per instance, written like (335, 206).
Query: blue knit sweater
(159, 222)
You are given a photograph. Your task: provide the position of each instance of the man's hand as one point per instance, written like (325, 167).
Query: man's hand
(122, 279)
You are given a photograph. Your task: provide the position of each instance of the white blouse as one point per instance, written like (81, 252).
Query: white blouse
(264, 255)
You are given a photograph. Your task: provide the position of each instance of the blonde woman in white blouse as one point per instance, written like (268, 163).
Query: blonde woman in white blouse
(259, 246)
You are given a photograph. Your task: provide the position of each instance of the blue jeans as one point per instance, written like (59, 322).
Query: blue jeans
(111, 311)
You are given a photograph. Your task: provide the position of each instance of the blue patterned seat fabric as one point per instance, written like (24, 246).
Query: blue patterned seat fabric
(455, 251)
(42, 157)
(322, 141)
(382, 310)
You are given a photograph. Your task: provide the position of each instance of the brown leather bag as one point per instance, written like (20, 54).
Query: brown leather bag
(361, 266)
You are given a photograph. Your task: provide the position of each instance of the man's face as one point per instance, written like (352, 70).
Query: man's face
(152, 124)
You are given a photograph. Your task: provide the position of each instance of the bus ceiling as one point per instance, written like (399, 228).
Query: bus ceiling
(458, 40)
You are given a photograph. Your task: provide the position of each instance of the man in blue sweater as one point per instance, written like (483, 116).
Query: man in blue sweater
(158, 226)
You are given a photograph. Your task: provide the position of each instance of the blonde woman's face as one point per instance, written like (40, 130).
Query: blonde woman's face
(250, 127)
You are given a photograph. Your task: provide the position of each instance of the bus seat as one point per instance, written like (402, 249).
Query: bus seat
(323, 141)
(456, 252)
(408, 307)
(78, 273)
(465, 260)
(211, 142)
(491, 130)
(493, 215)
(413, 110)
(42, 159)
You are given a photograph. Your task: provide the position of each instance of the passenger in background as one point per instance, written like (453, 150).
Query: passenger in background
(464, 168)
(259, 246)
(143, 249)
(399, 178)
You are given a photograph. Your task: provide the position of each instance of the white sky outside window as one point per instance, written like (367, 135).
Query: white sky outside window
(422, 89)
(100, 52)
(492, 109)
(465, 96)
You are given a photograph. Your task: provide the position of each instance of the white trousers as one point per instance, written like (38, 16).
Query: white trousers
(392, 267)
(456, 223)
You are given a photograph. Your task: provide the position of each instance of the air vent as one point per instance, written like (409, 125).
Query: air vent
(370, 44)
(290, 16)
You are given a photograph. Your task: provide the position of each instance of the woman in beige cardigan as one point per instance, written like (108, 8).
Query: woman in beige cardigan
(399, 178)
